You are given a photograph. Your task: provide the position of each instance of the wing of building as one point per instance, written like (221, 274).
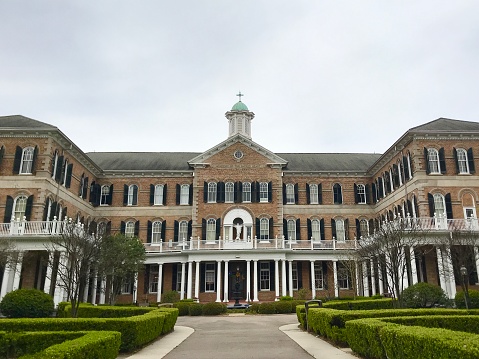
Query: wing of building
(237, 221)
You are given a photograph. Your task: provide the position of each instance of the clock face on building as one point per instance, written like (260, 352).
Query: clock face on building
(238, 154)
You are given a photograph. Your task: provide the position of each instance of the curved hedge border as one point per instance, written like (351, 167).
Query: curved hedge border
(382, 338)
(135, 331)
(330, 323)
(74, 345)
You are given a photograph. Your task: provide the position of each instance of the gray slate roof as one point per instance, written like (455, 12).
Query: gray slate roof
(447, 125)
(142, 161)
(18, 121)
(350, 162)
(177, 161)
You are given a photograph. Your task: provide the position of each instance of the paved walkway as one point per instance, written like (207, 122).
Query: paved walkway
(240, 336)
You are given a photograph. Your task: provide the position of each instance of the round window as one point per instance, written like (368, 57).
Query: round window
(238, 154)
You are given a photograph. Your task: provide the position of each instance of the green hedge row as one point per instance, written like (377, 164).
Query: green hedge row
(281, 307)
(380, 339)
(135, 331)
(42, 345)
(93, 311)
(385, 303)
(188, 307)
(330, 323)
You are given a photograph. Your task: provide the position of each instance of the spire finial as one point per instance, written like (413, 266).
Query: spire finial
(239, 95)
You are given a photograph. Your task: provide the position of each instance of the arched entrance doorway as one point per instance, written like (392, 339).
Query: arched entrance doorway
(238, 225)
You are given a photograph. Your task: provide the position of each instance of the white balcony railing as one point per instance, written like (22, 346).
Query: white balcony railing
(49, 228)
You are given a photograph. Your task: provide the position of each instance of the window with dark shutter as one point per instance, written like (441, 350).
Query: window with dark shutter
(470, 161)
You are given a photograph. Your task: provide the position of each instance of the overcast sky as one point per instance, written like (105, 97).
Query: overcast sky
(320, 76)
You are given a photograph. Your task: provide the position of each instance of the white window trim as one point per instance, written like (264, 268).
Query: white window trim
(290, 194)
(433, 158)
(263, 193)
(313, 194)
(184, 194)
(465, 161)
(229, 185)
(212, 192)
(156, 231)
(27, 160)
(158, 195)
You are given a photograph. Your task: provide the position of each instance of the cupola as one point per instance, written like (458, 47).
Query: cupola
(239, 119)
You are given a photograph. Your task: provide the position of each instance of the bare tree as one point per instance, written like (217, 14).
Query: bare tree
(389, 246)
(120, 259)
(460, 256)
(349, 263)
(76, 252)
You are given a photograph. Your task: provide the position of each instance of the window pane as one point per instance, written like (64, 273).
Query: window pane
(263, 192)
(184, 194)
(313, 193)
(211, 230)
(264, 275)
(361, 193)
(183, 231)
(315, 229)
(462, 161)
(246, 192)
(20, 207)
(291, 229)
(433, 158)
(290, 194)
(264, 228)
(229, 192)
(211, 192)
(156, 232)
(158, 197)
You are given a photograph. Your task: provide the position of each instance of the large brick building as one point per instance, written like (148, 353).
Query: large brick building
(236, 217)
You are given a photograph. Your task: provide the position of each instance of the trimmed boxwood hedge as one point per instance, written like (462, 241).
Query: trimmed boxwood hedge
(367, 304)
(93, 311)
(39, 345)
(330, 323)
(135, 331)
(381, 338)
(214, 308)
(27, 303)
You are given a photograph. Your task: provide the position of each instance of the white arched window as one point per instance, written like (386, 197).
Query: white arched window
(129, 229)
(105, 193)
(158, 195)
(184, 194)
(263, 191)
(315, 230)
(433, 160)
(439, 205)
(361, 193)
(340, 232)
(183, 231)
(211, 229)
(246, 192)
(26, 164)
(20, 206)
(264, 228)
(132, 195)
(313, 193)
(337, 194)
(290, 193)
(291, 229)
(462, 164)
(212, 192)
(156, 232)
(229, 192)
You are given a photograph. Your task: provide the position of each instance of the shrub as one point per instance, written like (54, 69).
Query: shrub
(267, 308)
(285, 297)
(473, 299)
(283, 307)
(423, 295)
(295, 303)
(183, 308)
(171, 296)
(254, 308)
(195, 309)
(303, 294)
(27, 303)
(214, 308)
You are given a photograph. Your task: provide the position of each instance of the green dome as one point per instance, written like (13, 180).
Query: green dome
(239, 106)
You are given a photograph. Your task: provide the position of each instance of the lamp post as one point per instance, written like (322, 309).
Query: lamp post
(463, 270)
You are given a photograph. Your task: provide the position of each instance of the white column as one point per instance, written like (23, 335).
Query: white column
(389, 277)
(365, 279)
(476, 256)
(135, 288)
(356, 270)
(412, 258)
(160, 281)
(380, 278)
(7, 281)
(373, 278)
(276, 278)
(335, 278)
(450, 280)
(48, 276)
(59, 289)
(197, 280)
(102, 290)
(18, 271)
(218, 281)
(440, 266)
(248, 280)
(183, 277)
(226, 285)
(290, 278)
(87, 287)
(283, 277)
(190, 280)
(255, 281)
(405, 281)
(313, 281)
(93, 292)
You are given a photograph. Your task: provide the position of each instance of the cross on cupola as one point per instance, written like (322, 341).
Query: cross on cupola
(239, 118)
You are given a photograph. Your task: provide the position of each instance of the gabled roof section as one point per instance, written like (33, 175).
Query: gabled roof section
(446, 125)
(330, 162)
(202, 158)
(142, 161)
(22, 122)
